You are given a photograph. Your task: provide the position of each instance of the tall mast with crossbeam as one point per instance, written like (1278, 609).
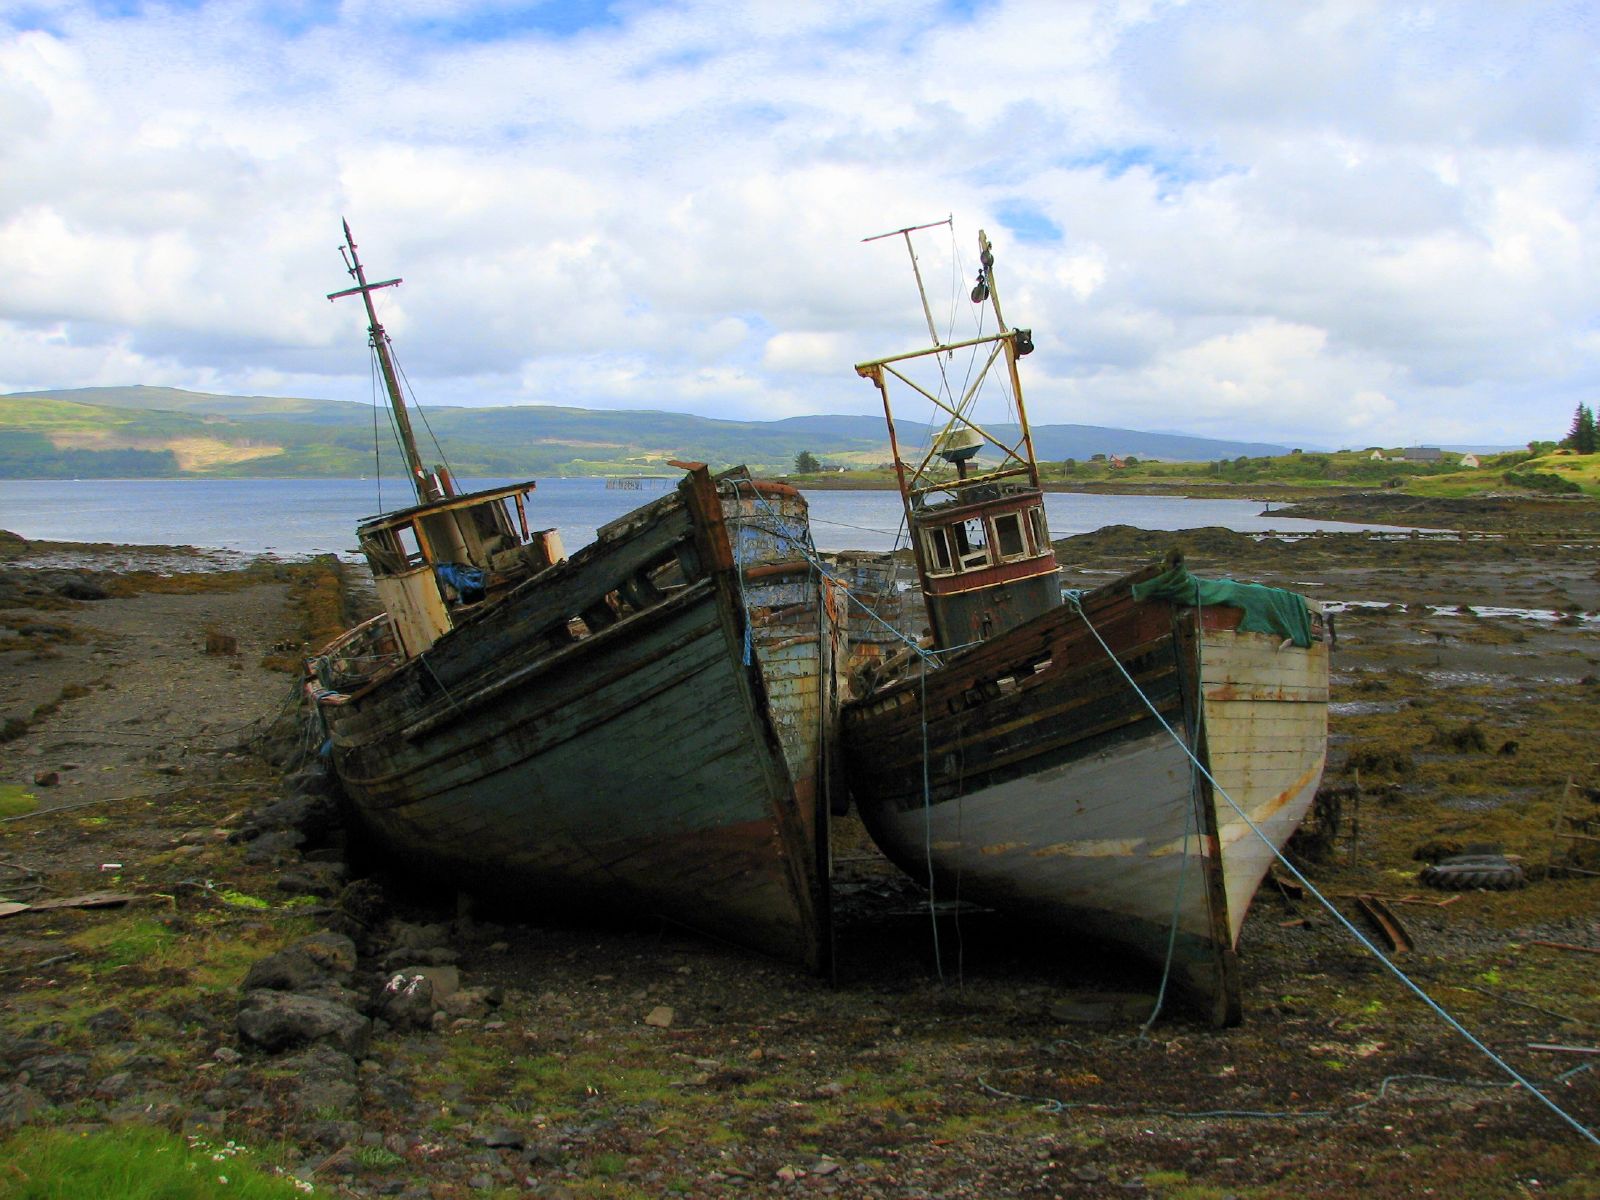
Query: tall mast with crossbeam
(426, 484)
(983, 551)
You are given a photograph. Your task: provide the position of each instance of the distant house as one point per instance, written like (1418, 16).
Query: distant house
(1428, 454)
(1377, 456)
(1469, 462)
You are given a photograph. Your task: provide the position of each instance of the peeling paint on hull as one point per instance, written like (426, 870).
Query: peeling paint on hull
(1053, 793)
(641, 769)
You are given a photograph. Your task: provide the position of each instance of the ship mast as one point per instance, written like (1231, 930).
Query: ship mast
(983, 552)
(426, 483)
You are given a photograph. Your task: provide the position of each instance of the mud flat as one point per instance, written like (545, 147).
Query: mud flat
(643, 1062)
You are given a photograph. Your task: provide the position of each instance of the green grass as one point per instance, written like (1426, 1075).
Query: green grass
(130, 1163)
(121, 943)
(1582, 471)
(14, 801)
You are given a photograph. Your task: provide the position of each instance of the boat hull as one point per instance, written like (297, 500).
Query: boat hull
(635, 768)
(1054, 793)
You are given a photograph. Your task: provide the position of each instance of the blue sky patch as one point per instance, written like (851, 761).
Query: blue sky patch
(1027, 222)
(504, 22)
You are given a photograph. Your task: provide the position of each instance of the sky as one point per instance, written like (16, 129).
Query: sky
(1323, 224)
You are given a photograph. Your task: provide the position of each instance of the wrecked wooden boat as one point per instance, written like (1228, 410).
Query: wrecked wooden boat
(1094, 763)
(634, 729)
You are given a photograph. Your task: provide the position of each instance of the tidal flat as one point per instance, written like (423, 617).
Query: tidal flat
(989, 1061)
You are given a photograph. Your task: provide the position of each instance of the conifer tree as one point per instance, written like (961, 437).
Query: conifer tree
(1582, 436)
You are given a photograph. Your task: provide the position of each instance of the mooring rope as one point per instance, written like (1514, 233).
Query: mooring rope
(1350, 928)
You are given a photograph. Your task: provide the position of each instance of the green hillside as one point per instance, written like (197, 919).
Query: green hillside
(1559, 473)
(147, 431)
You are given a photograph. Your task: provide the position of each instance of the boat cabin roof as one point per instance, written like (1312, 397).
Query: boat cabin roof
(976, 500)
(406, 516)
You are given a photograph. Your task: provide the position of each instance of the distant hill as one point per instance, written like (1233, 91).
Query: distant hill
(148, 431)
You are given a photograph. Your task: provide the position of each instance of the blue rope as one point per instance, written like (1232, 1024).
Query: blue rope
(744, 599)
(1326, 903)
(1183, 867)
(927, 819)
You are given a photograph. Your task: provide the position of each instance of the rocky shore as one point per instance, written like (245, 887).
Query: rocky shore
(224, 963)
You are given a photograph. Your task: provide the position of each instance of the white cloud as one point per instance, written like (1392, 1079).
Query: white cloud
(1294, 222)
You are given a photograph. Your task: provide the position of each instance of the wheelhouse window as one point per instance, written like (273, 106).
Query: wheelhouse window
(1008, 537)
(972, 543)
(937, 546)
(1041, 529)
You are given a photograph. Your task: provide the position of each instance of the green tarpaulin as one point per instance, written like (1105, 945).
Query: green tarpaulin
(1266, 610)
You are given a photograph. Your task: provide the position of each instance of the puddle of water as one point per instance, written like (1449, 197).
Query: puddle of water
(1466, 678)
(158, 559)
(1547, 616)
(1363, 708)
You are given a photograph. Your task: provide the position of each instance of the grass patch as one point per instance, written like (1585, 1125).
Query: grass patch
(15, 801)
(130, 1163)
(124, 942)
(377, 1158)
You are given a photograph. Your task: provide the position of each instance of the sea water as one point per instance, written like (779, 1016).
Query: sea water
(291, 518)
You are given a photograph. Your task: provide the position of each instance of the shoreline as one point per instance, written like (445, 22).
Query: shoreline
(761, 1077)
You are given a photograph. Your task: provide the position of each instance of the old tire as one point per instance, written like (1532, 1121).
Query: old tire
(1467, 872)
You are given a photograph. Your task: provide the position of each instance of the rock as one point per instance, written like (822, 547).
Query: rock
(79, 587)
(406, 1002)
(405, 936)
(390, 1092)
(115, 1086)
(330, 1135)
(278, 1020)
(446, 980)
(660, 1016)
(312, 781)
(500, 1137)
(20, 1104)
(57, 1075)
(109, 1022)
(431, 956)
(14, 1050)
(341, 1162)
(274, 846)
(333, 951)
(316, 816)
(363, 902)
(46, 779)
(288, 970)
(469, 1002)
(325, 1082)
(319, 959)
(320, 879)
(544, 1152)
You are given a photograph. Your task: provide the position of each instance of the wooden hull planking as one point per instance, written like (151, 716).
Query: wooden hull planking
(637, 769)
(1053, 793)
